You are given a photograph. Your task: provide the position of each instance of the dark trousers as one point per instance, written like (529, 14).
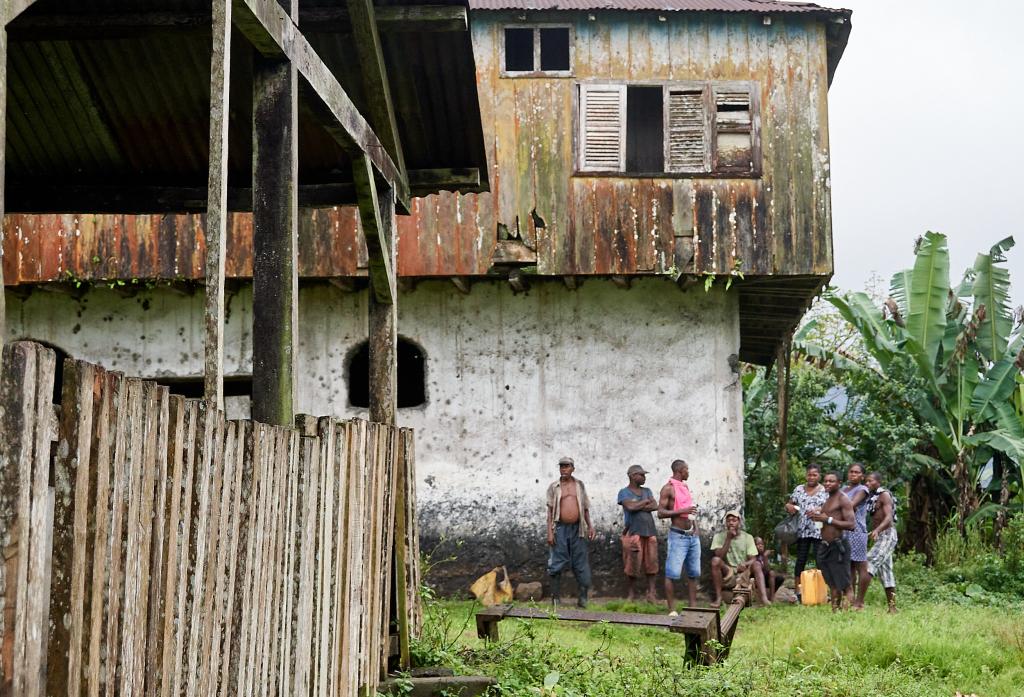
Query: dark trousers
(570, 551)
(805, 546)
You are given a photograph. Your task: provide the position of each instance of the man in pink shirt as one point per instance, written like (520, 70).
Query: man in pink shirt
(683, 536)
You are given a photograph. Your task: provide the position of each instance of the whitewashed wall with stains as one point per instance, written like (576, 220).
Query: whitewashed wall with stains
(609, 376)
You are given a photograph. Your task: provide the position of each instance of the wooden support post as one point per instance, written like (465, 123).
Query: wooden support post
(217, 202)
(782, 375)
(782, 430)
(3, 164)
(383, 321)
(275, 229)
(377, 231)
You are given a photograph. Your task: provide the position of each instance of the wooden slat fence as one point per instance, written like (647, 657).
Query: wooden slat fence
(153, 548)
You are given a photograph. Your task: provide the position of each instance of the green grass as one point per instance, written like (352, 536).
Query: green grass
(935, 646)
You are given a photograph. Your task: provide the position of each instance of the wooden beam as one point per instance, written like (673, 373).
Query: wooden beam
(376, 88)
(107, 25)
(429, 181)
(376, 231)
(275, 234)
(136, 198)
(157, 199)
(272, 33)
(217, 202)
(383, 327)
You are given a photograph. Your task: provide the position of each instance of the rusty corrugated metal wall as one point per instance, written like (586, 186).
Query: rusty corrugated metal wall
(779, 224)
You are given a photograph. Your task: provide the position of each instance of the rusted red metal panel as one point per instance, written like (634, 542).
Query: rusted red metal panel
(48, 248)
(763, 6)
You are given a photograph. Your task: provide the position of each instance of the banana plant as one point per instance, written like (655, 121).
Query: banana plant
(962, 345)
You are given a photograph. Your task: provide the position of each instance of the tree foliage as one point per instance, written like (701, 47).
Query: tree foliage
(924, 383)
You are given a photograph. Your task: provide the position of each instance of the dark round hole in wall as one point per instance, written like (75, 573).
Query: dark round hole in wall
(411, 378)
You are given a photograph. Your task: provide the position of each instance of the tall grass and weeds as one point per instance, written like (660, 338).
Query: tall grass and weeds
(971, 562)
(944, 640)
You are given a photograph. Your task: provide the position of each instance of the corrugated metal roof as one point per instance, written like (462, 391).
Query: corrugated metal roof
(131, 108)
(657, 5)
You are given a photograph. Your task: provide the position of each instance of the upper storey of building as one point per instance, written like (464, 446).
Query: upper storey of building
(648, 136)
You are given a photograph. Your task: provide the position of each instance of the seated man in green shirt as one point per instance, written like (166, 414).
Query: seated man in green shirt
(735, 558)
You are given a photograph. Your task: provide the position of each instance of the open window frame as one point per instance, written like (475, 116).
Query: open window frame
(536, 28)
(715, 98)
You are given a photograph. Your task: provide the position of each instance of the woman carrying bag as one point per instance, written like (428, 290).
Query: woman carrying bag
(806, 497)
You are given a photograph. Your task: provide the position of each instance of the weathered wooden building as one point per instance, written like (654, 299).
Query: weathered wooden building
(659, 210)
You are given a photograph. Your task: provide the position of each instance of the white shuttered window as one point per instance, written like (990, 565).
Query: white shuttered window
(602, 128)
(688, 131)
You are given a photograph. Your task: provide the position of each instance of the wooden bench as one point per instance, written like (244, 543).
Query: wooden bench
(708, 635)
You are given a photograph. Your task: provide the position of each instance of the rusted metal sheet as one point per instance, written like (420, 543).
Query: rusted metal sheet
(761, 6)
(69, 248)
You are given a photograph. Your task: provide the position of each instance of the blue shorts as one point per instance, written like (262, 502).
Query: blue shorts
(683, 552)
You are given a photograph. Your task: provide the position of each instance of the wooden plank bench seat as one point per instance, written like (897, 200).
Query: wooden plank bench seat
(699, 625)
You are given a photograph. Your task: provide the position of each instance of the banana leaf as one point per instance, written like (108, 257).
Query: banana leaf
(898, 290)
(1008, 419)
(858, 310)
(997, 387)
(929, 288)
(1000, 440)
(992, 289)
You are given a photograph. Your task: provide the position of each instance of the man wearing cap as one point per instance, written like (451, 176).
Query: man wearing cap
(567, 538)
(639, 535)
(735, 558)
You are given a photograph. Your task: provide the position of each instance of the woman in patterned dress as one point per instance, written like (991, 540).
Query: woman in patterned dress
(806, 497)
(858, 537)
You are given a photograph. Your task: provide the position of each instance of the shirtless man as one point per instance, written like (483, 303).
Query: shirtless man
(567, 499)
(882, 509)
(676, 503)
(835, 516)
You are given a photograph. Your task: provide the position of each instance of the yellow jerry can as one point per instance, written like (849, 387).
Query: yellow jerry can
(813, 590)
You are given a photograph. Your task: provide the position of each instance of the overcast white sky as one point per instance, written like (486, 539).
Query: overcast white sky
(925, 120)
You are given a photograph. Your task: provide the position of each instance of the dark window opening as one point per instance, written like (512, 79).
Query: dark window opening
(554, 49)
(195, 388)
(411, 377)
(645, 129)
(518, 50)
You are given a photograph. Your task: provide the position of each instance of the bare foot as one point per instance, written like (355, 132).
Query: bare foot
(716, 603)
(765, 602)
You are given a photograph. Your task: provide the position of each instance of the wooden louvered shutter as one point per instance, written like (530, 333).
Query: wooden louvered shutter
(602, 128)
(687, 131)
(735, 133)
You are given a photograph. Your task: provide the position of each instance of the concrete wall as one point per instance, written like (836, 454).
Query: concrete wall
(609, 376)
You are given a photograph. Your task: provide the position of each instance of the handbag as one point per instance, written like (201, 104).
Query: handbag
(788, 530)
